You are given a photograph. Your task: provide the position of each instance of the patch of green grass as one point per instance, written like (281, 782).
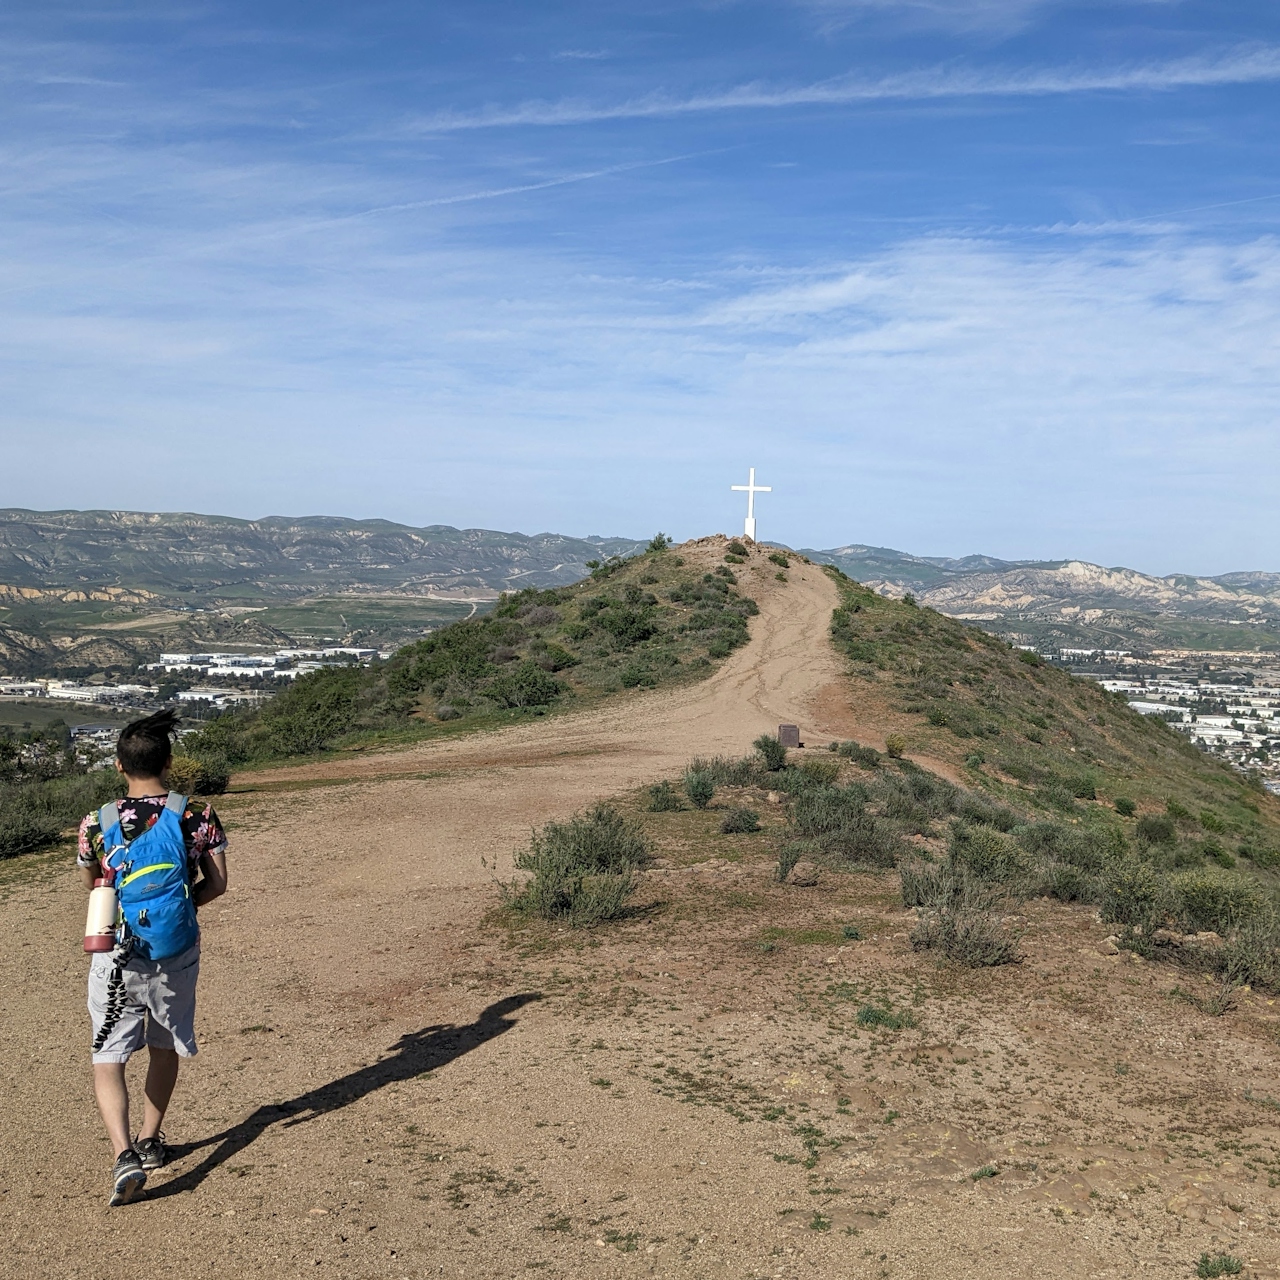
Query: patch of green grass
(1211, 1266)
(871, 1015)
(623, 1241)
(987, 1171)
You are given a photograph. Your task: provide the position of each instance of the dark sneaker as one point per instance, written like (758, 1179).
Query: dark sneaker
(152, 1151)
(128, 1177)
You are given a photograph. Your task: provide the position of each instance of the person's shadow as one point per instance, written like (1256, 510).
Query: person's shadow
(410, 1056)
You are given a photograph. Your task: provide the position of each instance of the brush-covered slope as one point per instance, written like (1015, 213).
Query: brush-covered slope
(1037, 737)
(658, 618)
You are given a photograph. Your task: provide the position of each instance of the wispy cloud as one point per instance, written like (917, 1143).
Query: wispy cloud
(495, 193)
(1247, 65)
(944, 15)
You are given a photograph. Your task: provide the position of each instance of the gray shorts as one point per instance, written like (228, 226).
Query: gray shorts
(152, 1003)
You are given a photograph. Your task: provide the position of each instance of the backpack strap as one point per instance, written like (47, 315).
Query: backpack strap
(176, 803)
(108, 816)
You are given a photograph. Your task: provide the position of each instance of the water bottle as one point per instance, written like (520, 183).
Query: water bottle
(100, 924)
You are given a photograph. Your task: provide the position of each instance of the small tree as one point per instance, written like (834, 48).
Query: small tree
(659, 542)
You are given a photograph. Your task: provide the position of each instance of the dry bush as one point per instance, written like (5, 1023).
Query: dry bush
(584, 870)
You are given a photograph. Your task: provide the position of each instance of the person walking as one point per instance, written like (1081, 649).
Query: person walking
(166, 858)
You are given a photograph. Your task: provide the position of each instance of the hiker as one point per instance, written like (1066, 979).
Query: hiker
(166, 857)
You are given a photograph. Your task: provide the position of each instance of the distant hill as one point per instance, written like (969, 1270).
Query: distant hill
(1073, 602)
(136, 563)
(181, 554)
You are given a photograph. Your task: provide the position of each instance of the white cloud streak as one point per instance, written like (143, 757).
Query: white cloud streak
(495, 193)
(1248, 65)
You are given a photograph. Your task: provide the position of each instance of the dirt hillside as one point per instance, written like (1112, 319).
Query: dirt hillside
(393, 1083)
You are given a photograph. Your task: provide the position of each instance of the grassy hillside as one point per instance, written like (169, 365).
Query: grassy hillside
(650, 620)
(1050, 743)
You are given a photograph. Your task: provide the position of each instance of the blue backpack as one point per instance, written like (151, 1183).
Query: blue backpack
(152, 880)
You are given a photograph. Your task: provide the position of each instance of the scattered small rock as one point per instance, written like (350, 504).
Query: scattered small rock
(1108, 947)
(773, 797)
(805, 874)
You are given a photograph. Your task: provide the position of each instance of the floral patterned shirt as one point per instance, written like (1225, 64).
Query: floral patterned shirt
(201, 830)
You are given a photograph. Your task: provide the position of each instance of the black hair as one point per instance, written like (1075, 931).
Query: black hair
(145, 745)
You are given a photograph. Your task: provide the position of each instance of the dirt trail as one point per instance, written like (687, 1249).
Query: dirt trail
(389, 1087)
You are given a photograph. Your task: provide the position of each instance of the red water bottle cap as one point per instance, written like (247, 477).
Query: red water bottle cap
(99, 883)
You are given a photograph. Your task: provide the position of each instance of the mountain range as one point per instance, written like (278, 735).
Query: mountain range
(1075, 602)
(182, 556)
(153, 560)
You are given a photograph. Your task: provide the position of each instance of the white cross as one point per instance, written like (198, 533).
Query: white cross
(751, 489)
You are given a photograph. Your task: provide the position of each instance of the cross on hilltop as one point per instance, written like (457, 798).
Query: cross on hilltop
(751, 489)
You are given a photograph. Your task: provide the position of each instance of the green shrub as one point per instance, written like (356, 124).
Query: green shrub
(788, 856)
(1251, 955)
(635, 674)
(1131, 893)
(820, 810)
(1088, 847)
(1083, 787)
(1211, 1266)
(1056, 796)
(584, 870)
(1259, 855)
(699, 787)
(664, 798)
(862, 841)
(725, 771)
(735, 548)
(931, 884)
(446, 712)
(895, 746)
(986, 853)
(779, 559)
(206, 776)
(1214, 899)
(740, 821)
(554, 657)
(820, 772)
(34, 814)
(966, 935)
(1125, 807)
(1211, 821)
(867, 757)
(1216, 851)
(978, 810)
(1154, 829)
(527, 686)
(772, 751)
(1178, 812)
(311, 713)
(1069, 883)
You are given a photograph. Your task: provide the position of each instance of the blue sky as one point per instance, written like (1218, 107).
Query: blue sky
(953, 275)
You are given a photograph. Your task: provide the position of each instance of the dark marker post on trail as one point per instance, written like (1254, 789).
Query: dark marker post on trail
(789, 735)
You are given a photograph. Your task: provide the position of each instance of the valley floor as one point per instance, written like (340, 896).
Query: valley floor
(395, 1083)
